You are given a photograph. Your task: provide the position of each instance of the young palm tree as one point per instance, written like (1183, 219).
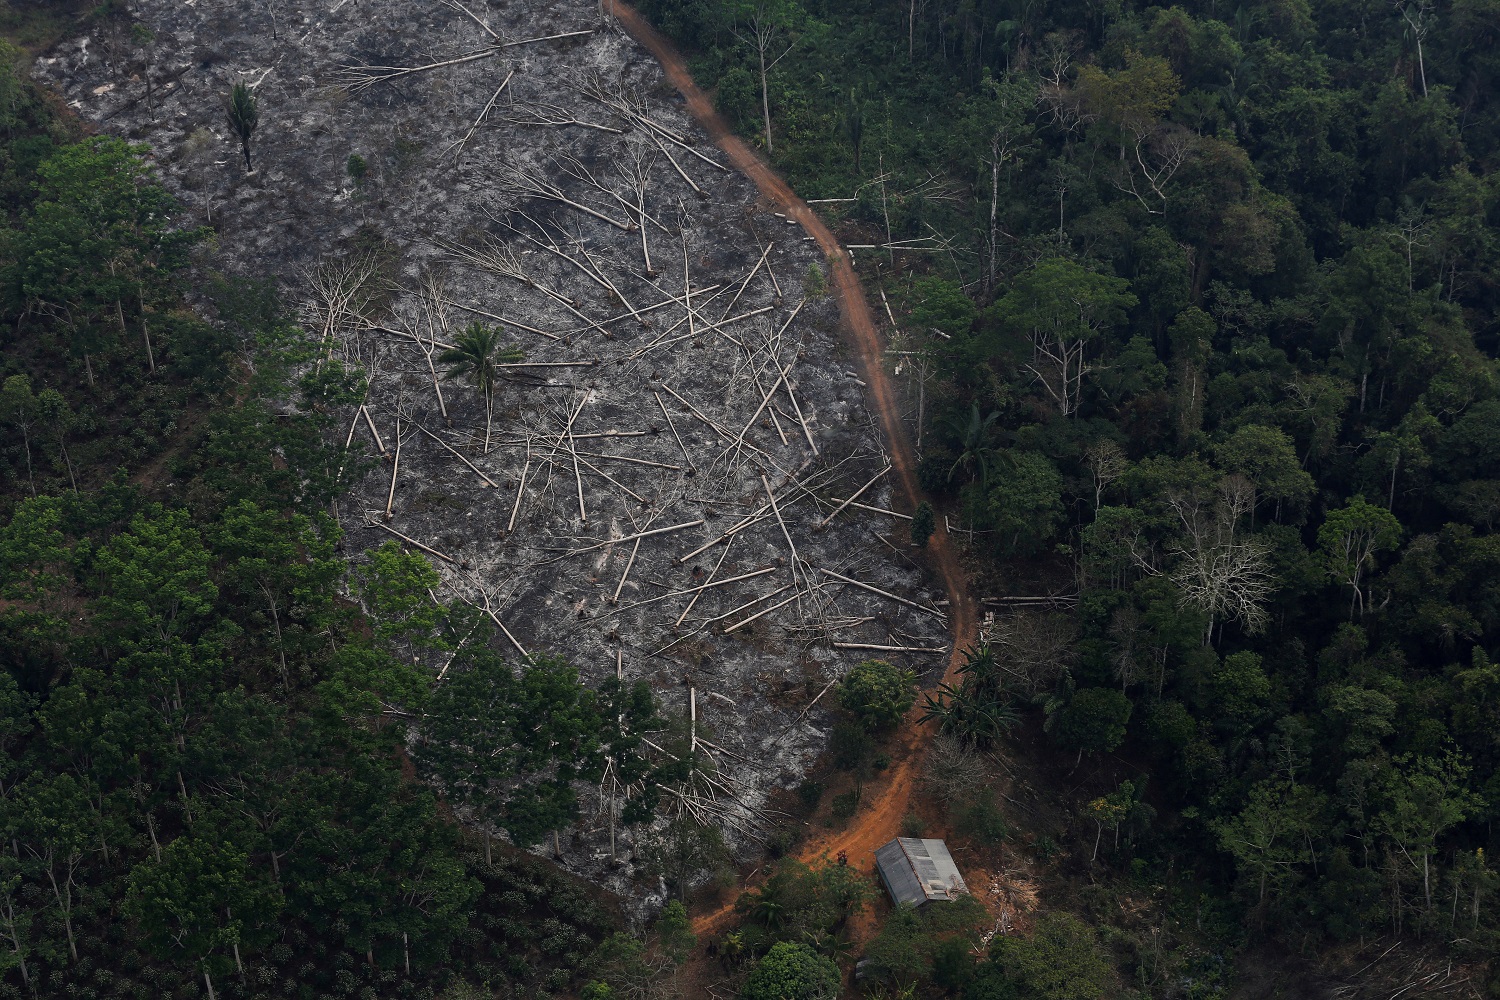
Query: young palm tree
(974, 437)
(477, 353)
(244, 115)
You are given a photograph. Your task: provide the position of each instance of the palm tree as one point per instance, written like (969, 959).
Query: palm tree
(476, 352)
(244, 115)
(974, 441)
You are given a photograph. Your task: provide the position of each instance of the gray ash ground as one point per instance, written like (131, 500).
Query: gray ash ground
(654, 401)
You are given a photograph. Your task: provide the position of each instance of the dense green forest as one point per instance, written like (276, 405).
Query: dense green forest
(1206, 301)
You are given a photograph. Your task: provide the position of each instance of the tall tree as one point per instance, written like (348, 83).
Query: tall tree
(1351, 538)
(1062, 307)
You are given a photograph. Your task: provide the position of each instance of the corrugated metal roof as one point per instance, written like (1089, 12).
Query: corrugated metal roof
(919, 871)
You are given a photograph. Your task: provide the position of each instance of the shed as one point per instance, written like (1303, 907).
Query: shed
(919, 871)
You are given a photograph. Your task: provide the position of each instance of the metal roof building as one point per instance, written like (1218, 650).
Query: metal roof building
(919, 871)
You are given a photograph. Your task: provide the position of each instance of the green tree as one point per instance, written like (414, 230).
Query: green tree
(877, 694)
(1267, 457)
(1023, 504)
(476, 352)
(1270, 836)
(201, 900)
(1061, 308)
(99, 237)
(1351, 538)
(1062, 960)
(393, 586)
(20, 408)
(512, 745)
(243, 115)
(1421, 797)
(975, 438)
(1093, 720)
(792, 972)
(286, 566)
(923, 524)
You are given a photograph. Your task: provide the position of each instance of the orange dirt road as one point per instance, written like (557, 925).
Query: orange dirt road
(886, 800)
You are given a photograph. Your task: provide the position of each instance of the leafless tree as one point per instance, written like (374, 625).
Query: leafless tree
(1155, 156)
(1415, 14)
(764, 33)
(1218, 572)
(1035, 646)
(1106, 462)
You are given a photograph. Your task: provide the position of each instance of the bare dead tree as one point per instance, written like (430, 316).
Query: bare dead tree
(1106, 462)
(1157, 153)
(764, 33)
(1218, 572)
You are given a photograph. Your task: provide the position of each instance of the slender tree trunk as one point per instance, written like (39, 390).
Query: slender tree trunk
(994, 211)
(145, 330)
(406, 952)
(26, 440)
(210, 983)
(765, 98)
(489, 413)
(245, 147)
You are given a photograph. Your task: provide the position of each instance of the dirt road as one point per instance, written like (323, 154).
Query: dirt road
(886, 800)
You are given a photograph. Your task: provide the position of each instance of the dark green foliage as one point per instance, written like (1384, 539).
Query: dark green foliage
(981, 709)
(244, 115)
(877, 694)
(923, 524)
(792, 972)
(931, 945)
(1093, 719)
(1062, 960)
(851, 745)
(801, 902)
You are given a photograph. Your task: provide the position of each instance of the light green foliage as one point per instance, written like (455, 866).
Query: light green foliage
(877, 694)
(792, 972)
(393, 587)
(1352, 537)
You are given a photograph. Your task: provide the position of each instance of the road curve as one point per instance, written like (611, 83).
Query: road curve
(885, 801)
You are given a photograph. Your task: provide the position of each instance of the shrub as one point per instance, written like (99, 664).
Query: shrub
(846, 804)
(923, 524)
(792, 972)
(850, 745)
(980, 818)
(811, 793)
(877, 694)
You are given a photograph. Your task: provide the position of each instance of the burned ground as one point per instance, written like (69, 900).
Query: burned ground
(661, 465)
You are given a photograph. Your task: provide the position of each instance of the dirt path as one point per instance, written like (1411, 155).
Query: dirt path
(887, 799)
